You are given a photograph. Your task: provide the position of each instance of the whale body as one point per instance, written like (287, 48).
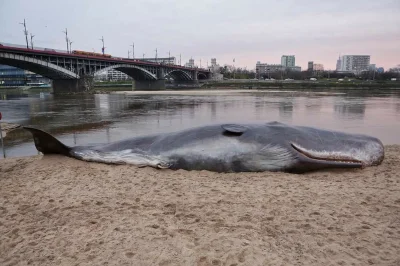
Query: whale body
(258, 147)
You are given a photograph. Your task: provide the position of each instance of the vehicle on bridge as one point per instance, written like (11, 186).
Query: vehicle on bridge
(90, 53)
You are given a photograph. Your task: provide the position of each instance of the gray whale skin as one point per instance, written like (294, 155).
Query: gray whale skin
(259, 147)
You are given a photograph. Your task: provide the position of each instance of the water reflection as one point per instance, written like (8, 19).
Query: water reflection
(353, 108)
(286, 109)
(80, 120)
(213, 110)
(313, 104)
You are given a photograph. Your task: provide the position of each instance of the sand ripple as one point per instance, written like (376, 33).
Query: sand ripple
(61, 211)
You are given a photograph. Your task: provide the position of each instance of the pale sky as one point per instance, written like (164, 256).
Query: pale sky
(249, 31)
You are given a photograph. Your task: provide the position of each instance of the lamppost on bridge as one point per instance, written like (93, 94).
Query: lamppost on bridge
(26, 34)
(70, 46)
(180, 59)
(129, 52)
(143, 56)
(102, 40)
(66, 38)
(32, 40)
(133, 50)
(156, 55)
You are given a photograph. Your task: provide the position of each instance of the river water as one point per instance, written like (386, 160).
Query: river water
(103, 118)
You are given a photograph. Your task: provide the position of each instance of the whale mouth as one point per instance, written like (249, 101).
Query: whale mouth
(328, 157)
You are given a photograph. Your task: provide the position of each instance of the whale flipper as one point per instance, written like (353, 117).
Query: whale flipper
(47, 144)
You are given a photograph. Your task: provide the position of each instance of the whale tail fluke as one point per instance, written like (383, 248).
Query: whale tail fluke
(47, 144)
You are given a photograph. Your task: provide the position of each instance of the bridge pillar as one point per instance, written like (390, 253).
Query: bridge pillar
(148, 85)
(195, 74)
(85, 83)
(160, 73)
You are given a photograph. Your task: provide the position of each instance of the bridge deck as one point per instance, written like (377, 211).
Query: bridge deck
(119, 60)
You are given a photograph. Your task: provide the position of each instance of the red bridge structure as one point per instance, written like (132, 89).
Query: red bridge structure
(75, 71)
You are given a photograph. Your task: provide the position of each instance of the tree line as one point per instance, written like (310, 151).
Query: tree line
(229, 72)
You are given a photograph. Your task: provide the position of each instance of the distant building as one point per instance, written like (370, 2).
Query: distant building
(116, 75)
(355, 63)
(395, 69)
(162, 60)
(263, 69)
(318, 67)
(310, 65)
(288, 60)
(100, 76)
(372, 67)
(339, 64)
(294, 68)
(215, 70)
(190, 63)
(12, 76)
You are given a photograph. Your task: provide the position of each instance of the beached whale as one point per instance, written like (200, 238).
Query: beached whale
(260, 147)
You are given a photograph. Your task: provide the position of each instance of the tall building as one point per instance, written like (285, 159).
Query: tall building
(213, 62)
(339, 64)
(355, 63)
(288, 60)
(310, 65)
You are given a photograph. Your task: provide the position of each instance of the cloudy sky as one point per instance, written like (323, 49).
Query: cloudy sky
(249, 31)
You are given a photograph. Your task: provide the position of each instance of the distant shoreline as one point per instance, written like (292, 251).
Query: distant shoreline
(237, 85)
(257, 84)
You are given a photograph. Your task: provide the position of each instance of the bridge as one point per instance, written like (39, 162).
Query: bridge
(74, 72)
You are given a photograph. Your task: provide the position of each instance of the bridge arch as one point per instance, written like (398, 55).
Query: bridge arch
(179, 75)
(37, 66)
(135, 72)
(201, 76)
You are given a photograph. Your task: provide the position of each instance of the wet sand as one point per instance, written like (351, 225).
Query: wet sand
(60, 211)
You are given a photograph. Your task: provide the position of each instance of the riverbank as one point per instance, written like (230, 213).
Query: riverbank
(223, 86)
(277, 84)
(7, 127)
(303, 84)
(60, 211)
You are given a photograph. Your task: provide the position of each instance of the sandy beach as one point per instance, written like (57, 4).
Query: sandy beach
(60, 211)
